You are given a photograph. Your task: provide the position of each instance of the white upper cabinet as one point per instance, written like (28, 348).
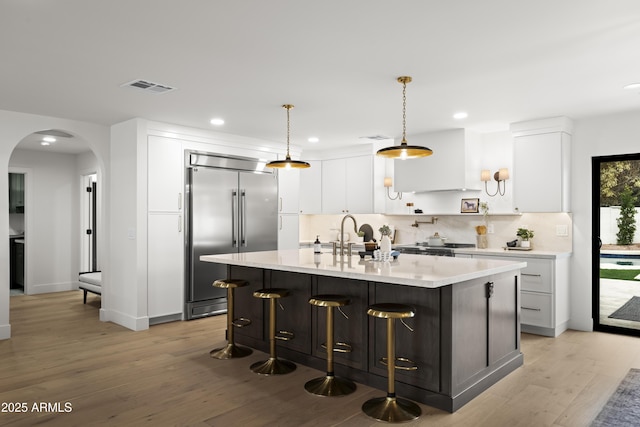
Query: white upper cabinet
(454, 164)
(165, 172)
(311, 188)
(541, 166)
(347, 185)
(288, 190)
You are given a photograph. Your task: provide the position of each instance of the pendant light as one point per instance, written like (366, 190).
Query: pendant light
(404, 150)
(287, 163)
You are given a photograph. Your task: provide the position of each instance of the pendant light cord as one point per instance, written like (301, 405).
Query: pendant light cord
(404, 112)
(288, 107)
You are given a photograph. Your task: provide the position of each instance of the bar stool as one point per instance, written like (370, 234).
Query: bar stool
(391, 408)
(231, 350)
(330, 385)
(273, 365)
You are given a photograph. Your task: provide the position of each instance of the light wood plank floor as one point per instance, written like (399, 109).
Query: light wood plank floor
(61, 352)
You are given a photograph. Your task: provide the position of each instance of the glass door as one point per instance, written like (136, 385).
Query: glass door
(616, 243)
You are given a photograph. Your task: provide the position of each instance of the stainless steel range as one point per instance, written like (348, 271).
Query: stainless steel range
(424, 249)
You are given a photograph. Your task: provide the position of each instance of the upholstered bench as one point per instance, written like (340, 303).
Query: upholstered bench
(90, 282)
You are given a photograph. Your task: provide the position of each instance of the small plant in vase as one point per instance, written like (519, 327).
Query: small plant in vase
(525, 234)
(385, 241)
(361, 235)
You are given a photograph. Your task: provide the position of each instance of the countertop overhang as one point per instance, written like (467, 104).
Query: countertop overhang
(411, 270)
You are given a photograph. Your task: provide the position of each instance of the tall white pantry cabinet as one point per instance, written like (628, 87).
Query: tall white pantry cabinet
(165, 229)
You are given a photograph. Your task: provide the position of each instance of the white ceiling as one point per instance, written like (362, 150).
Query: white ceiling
(337, 61)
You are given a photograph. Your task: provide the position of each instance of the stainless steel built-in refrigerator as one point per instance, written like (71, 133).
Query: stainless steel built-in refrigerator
(231, 207)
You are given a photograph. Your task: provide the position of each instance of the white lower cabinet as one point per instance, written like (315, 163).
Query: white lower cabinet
(288, 232)
(165, 264)
(544, 298)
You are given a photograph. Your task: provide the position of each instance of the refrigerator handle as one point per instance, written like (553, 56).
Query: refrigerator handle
(234, 240)
(243, 218)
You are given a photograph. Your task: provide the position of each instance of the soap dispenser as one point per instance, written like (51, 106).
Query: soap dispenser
(317, 246)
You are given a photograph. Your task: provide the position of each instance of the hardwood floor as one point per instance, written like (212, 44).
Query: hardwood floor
(108, 375)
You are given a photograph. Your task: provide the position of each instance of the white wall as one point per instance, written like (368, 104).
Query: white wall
(127, 294)
(13, 128)
(52, 220)
(597, 136)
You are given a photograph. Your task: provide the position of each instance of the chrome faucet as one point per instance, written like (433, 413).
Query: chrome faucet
(355, 228)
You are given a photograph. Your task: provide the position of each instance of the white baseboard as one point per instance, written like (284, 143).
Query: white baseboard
(5, 332)
(122, 319)
(46, 288)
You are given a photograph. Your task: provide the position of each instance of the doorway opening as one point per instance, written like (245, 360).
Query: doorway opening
(17, 203)
(616, 243)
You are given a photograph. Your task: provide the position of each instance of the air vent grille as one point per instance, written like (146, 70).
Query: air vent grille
(148, 86)
(376, 137)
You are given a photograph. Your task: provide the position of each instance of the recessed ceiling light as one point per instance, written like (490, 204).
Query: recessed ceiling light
(45, 143)
(460, 115)
(632, 86)
(313, 139)
(217, 122)
(49, 139)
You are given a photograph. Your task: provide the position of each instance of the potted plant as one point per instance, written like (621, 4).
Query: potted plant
(525, 234)
(361, 235)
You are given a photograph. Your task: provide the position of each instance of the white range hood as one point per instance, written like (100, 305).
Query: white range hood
(453, 166)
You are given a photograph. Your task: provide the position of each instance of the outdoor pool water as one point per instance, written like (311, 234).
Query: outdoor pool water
(620, 259)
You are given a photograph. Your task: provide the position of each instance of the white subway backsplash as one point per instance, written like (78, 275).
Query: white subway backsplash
(455, 228)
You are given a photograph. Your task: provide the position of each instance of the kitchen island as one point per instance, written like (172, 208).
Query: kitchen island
(466, 332)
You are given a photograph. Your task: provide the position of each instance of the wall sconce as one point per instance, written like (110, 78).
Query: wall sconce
(501, 176)
(388, 182)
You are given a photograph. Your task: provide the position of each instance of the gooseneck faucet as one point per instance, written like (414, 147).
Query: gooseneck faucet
(355, 228)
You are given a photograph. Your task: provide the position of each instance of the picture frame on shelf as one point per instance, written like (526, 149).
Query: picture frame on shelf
(469, 205)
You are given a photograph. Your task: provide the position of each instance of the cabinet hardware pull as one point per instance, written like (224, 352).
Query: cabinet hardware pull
(243, 218)
(531, 308)
(280, 208)
(339, 347)
(179, 223)
(285, 336)
(489, 289)
(532, 275)
(179, 201)
(412, 367)
(234, 238)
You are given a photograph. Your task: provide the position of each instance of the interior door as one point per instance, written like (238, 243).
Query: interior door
(614, 262)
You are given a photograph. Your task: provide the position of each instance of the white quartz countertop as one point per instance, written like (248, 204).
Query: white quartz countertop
(412, 270)
(506, 253)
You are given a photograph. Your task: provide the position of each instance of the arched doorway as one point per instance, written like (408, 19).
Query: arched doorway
(19, 128)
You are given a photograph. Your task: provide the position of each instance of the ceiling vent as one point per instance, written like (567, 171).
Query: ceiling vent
(148, 86)
(376, 137)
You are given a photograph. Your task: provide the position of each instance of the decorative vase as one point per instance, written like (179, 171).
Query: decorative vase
(482, 241)
(525, 244)
(385, 244)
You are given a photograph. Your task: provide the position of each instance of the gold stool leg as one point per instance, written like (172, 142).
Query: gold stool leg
(330, 385)
(391, 409)
(231, 350)
(273, 366)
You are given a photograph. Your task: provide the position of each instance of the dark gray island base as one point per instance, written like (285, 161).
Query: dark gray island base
(466, 334)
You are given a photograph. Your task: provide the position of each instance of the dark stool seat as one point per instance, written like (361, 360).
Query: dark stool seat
(330, 385)
(231, 350)
(391, 408)
(273, 365)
